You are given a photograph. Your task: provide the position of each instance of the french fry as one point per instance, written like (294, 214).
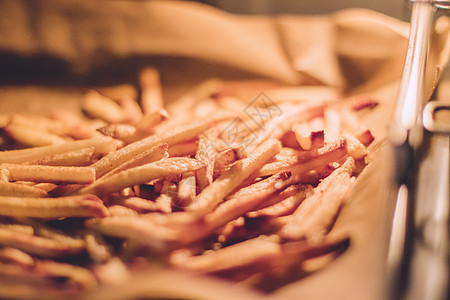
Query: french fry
(31, 136)
(147, 156)
(35, 245)
(141, 174)
(187, 189)
(238, 205)
(97, 248)
(54, 208)
(119, 210)
(102, 146)
(183, 149)
(124, 132)
(149, 121)
(77, 127)
(137, 204)
(20, 190)
(79, 157)
(214, 193)
(137, 229)
(306, 161)
(206, 153)
(284, 207)
(171, 137)
(131, 109)
(351, 123)
(43, 173)
(80, 276)
(314, 217)
(16, 256)
(231, 257)
(151, 91)
(112, 272)
(96, 105)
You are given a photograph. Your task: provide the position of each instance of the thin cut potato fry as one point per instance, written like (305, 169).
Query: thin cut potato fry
(187, 189)
(42, 173)
(54, 208)
(124, 132)
(102, 107)
(307, 160)
(137, 229)
(206, 153)
(35, 245)
(98, 249)
(20, 190)
(170, 137)
(79, 157)
(351, 123)
(214, 193)
(148, 122)
(183, 149)
(239, 205)
(31, 136)
(151, 92)
(131, 109)
(315, 215)
(141, 174)
(16, 256)
(102, 146)
(150, 155)
(80, 276)
(231, 257)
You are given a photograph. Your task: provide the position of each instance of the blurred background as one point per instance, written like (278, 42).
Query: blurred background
(395, 8)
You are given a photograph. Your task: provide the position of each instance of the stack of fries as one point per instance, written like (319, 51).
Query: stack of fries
(210, 184)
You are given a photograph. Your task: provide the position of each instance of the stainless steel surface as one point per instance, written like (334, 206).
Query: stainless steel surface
(418, 261)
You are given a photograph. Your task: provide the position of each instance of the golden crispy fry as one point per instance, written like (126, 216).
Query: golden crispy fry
(119, 210)
(278, 125)
(150, 155)
(124, 132)
(151, 91)
(170, 137)
(214, 193)
(141, 174)
(245, 201)
(42, 173)
(20, 190)
(79, 157)
(206, 153)
(32, 136)
(187, 189)
(77, 127)
(80, 276)
(138, 204)
(314, 217)
(355, 148)
(230, 257)
(16, 256)
(97, 248)
(307, 160)
(310, 135)
(284, 207)
(148, 122)
(102, 146)
(113, 272)
(351, 123)
(183, 149)
(96, 105)
(333, 124)
(35, 245)
(54, 208)
(137, 229)
(188, 101)
(130, 108)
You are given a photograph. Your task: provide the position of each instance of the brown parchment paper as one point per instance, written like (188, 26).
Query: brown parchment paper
(352, 51)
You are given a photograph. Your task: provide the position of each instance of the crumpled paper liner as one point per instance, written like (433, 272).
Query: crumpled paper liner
(356, 51)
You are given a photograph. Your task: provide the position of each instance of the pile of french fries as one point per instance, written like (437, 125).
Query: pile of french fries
(245, 189)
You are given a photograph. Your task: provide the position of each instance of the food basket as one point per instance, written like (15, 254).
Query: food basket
(54, 52)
